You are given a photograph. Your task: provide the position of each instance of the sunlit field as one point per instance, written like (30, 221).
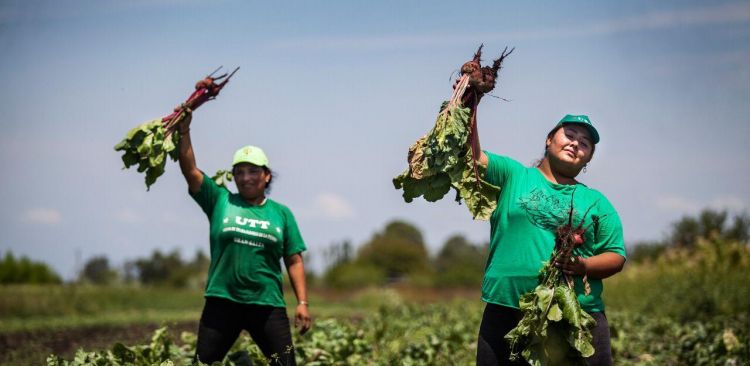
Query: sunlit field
(686, 308)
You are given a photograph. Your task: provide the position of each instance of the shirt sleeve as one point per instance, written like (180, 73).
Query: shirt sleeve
(500, 168)
(609, 233)
(293, 242)
(208, 194)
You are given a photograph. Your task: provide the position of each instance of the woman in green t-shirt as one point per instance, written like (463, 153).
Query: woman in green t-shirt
(533, 203)
(249, 235)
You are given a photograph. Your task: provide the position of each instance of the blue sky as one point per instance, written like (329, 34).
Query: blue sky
(335, 92)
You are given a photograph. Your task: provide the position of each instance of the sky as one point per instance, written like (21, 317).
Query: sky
(335, 92)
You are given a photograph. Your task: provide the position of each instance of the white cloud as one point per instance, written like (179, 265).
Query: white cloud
(332, 206)
(42, 216)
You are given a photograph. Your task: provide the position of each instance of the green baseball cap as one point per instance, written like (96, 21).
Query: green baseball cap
(580, 120)
(250, 154)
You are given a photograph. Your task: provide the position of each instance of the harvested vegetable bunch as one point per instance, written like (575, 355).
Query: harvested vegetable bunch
(149, 144)
(446, 156)
(554, 329)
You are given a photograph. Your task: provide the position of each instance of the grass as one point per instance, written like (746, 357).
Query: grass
(31, 308)
(52, 307)
(711, 281)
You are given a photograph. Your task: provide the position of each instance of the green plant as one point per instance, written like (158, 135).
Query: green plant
(446, 156)
(148, 144)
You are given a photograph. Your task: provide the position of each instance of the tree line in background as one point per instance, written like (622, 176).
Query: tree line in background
(23, 270)
(397, 254)
(161, 269)
(686, 232)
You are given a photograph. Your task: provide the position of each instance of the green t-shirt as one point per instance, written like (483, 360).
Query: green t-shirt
(247, 244)
(522, 237)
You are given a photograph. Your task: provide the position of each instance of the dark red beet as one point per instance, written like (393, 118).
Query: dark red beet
(482, 79)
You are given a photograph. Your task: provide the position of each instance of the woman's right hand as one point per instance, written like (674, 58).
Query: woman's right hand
(302, 319)
(184, 125)
(481, 158)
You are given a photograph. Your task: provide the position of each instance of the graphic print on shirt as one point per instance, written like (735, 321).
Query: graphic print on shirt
(547, 211)
(550, 212)
(256, 233)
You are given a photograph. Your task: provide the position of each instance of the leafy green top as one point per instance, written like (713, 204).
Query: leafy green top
(148, 146)
(442, 159)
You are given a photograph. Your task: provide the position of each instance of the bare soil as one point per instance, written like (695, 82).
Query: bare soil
(33, 347)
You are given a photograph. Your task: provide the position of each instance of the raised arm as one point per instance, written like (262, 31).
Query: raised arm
(481, 157)
(190, 171)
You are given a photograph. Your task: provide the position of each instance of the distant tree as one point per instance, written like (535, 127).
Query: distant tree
(740, 229)
(644, 250)
(129, 272)
(460, 263)
(168, 270)
(712, 222)
(158, 269)
(709, 222)
(338, 254)
(201, 261)
(25, 271)
(344, 272)
(398, 251)
(393, 254)
(197, 270)
(685, 232)
(97, 271)
(352, 275)
(404, 231)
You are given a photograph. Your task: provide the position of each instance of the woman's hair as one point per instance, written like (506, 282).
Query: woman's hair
(270, 179)
(269, 172)
(538, 162)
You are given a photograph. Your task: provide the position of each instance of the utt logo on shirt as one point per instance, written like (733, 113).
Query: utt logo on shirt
(243, 221)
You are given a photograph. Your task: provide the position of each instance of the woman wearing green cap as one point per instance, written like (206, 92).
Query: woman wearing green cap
(249, 235)
(533, 203)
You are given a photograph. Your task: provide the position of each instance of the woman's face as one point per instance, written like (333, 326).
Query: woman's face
(569, 149)
(251, 179)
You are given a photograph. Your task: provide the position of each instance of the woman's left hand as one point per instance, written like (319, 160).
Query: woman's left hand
(574, 266)
(302, 320)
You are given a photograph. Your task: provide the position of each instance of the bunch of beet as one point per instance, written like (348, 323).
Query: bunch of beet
(206, 89)
(473, 83)
(554, 329)
(445, 157)
(149, 144)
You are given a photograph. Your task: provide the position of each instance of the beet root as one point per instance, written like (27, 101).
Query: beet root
(482, 79)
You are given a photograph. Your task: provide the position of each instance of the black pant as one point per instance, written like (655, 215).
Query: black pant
(223, 320)
(497, 321)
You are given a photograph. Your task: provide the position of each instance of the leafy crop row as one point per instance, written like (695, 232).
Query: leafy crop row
(443, 334)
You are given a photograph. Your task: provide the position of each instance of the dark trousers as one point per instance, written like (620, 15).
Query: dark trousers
(497, 321)
(223, 320)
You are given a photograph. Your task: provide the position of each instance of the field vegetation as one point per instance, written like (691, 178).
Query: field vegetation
(680, 301)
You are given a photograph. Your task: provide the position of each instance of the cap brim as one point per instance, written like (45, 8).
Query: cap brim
(592, 131)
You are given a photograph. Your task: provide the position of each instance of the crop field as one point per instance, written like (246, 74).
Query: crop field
(381, 327)
(684, 309)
